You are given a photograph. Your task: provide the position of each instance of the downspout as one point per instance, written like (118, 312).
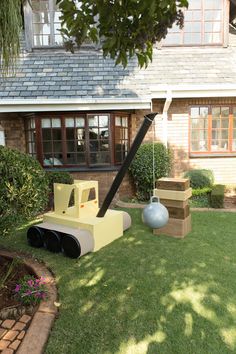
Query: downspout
(165, 117)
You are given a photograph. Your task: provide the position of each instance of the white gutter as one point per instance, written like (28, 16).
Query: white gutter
(55, 105)
(165, 117)
(193, 91)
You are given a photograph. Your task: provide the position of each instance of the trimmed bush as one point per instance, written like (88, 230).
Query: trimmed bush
(201, 191)
(200, 178)
(141, 167)
(217, 196)
(23, 188)
(58, 177)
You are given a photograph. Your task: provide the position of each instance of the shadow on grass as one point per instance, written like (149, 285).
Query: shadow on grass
(149, 294)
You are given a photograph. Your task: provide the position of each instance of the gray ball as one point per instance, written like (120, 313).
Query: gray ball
(155, 214)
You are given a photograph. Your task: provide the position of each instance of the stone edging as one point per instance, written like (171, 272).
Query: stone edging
(38, 332)
(121, 204)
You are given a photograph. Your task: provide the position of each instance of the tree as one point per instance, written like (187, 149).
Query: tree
(10, 30)
(127, 28)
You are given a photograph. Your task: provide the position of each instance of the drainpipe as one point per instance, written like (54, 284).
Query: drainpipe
(165, 117)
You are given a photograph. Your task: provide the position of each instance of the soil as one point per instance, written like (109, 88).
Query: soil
(7, 298)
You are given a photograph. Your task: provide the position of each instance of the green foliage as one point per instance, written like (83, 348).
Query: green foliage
(201, 191)
(217, 196)
(200, 197)
(23, 188)
(141, 167)
(200, 178)
(58, 177)
(10, 29)
(127, 28)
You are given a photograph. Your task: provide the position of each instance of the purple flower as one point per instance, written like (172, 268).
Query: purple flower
(30, 283)
(28, 292)
(17, 288)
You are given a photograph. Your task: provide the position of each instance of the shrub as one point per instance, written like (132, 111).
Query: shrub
(141, 167)
(217, 196)
(200, 178)
(23, 188)
(58, 177)
(201, 197)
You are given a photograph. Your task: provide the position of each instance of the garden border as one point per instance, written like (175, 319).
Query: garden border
(121, 204)
(39, 330)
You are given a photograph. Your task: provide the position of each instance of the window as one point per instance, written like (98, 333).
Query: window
(30, 137)
(212, 130)
(46, 23)
(82, 140)
(203, 24)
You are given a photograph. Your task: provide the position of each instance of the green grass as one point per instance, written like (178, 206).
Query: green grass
(147, 294)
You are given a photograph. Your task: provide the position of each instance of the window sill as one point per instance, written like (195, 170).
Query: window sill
(226, 154)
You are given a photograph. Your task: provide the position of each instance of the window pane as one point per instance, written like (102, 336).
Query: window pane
(103, 121)
(225, 111)
(213, 4)
(234, 122)
(215, 111)
(93, 121)
(70, 146)
(118, 121)
(79, 122)
(69, 122)
(214, 15)
(224, 134)
(215, 123)
(56, 134)
(225, 123)
(204, 112)
(194, 112)
(56, 123)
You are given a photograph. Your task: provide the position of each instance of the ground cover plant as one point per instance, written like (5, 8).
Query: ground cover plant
(147, 294)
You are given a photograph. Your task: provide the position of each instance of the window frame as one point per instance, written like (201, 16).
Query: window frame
(203, 21)
(209, 153)
(87, 165)
(51, 25)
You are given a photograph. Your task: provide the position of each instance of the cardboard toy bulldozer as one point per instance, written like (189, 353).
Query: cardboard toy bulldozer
(82, 227)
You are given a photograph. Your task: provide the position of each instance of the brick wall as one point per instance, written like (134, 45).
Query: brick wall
(13, 126)
(224, 168)
(105, 180)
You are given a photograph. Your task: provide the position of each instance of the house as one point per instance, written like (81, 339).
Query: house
(79, 113)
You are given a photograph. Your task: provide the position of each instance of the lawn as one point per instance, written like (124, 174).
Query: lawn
(148, 294)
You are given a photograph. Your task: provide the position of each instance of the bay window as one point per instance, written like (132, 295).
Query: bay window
(213, 130)
(79, 140)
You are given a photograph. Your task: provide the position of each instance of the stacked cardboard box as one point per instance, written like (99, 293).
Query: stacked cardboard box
(174, 193)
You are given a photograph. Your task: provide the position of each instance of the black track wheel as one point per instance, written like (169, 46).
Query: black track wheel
(71, 246)
(52, 241)
(35, 236)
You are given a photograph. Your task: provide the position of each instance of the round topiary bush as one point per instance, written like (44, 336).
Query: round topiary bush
(23, 188)
(141, 167)
(200, 178)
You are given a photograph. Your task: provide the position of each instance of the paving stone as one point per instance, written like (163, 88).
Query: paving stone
(19, 326)
(3, 331)
(25, 319)
(15, 344)
(11, 335)
(7, 351)
(21, 335)
(38, 332)
(4, 344)
(8, 324)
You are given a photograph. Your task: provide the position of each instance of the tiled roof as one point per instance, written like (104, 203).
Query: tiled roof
(86, 74)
